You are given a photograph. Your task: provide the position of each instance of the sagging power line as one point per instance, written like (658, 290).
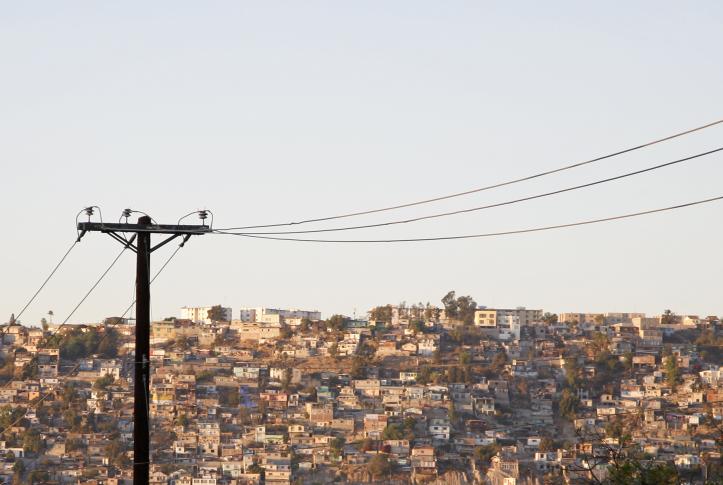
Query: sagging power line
(484, 188)
(474, 236)
(499, 204)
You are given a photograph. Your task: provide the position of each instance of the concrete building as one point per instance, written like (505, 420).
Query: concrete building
(485, 317)
(199, 314)
(255, 330)
(491, 317)
(276, 315)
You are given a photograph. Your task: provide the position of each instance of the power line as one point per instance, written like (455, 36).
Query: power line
(152, 279)
(489, 234)
(92, 288)
(488, 187)
(82, 300)
(77, 366)
(499, 204)
(87, 210)
(55, 269)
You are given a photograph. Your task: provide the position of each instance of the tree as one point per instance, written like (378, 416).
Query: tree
(499, 362)
(450, 305)
(337, 322)
(549, 318)
(31, 371)
(668, 318)
(572, 371)
(109, 344)
(466, 308)
(216, 314)
(461, 308)
(600, 342)
(286, 380)
(72, 419)
(672, 371)
(452, 413)
(182, 420)
(334, 350)
(358, 370)
(568, 404)
(32, 443)
(10, 416)
(379, 465)
(285, 332)
(431, 313)
(102, 383)
(337, 446)
(547, 444)
(484, 454)
(417, 326)
(382, 314)
(392, 432)
(19, 471)
(69, 394)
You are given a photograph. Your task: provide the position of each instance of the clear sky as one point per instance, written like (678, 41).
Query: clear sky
(274, 111)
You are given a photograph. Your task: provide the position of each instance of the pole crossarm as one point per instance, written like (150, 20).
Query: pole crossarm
(150, 228)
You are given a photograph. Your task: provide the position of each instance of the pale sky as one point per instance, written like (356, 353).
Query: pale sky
(269, 111)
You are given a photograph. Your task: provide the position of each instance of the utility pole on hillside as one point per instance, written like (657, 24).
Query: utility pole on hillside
(141, 233)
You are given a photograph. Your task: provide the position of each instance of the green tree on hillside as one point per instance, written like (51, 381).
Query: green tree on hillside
(460, 308)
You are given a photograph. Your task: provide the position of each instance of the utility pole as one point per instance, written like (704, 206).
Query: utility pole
(143, 249)
(142, 368)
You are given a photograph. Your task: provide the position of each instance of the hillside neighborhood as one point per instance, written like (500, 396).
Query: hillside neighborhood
(455, 393)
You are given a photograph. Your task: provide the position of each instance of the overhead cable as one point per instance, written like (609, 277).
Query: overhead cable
(499, 204)
(42, 398)
(55, 269)
(472, 236)
(488, 187)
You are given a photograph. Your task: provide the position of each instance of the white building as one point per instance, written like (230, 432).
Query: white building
(712, 376)
(508, 327)
(525, 315)
(276, 315)
(199, 314)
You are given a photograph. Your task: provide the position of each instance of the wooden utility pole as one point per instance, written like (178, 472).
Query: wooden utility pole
(142, 368)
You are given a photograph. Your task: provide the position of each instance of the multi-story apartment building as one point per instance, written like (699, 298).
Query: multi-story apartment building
(276, 315)
(485, 317)
(200, 314)
(491, 317)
